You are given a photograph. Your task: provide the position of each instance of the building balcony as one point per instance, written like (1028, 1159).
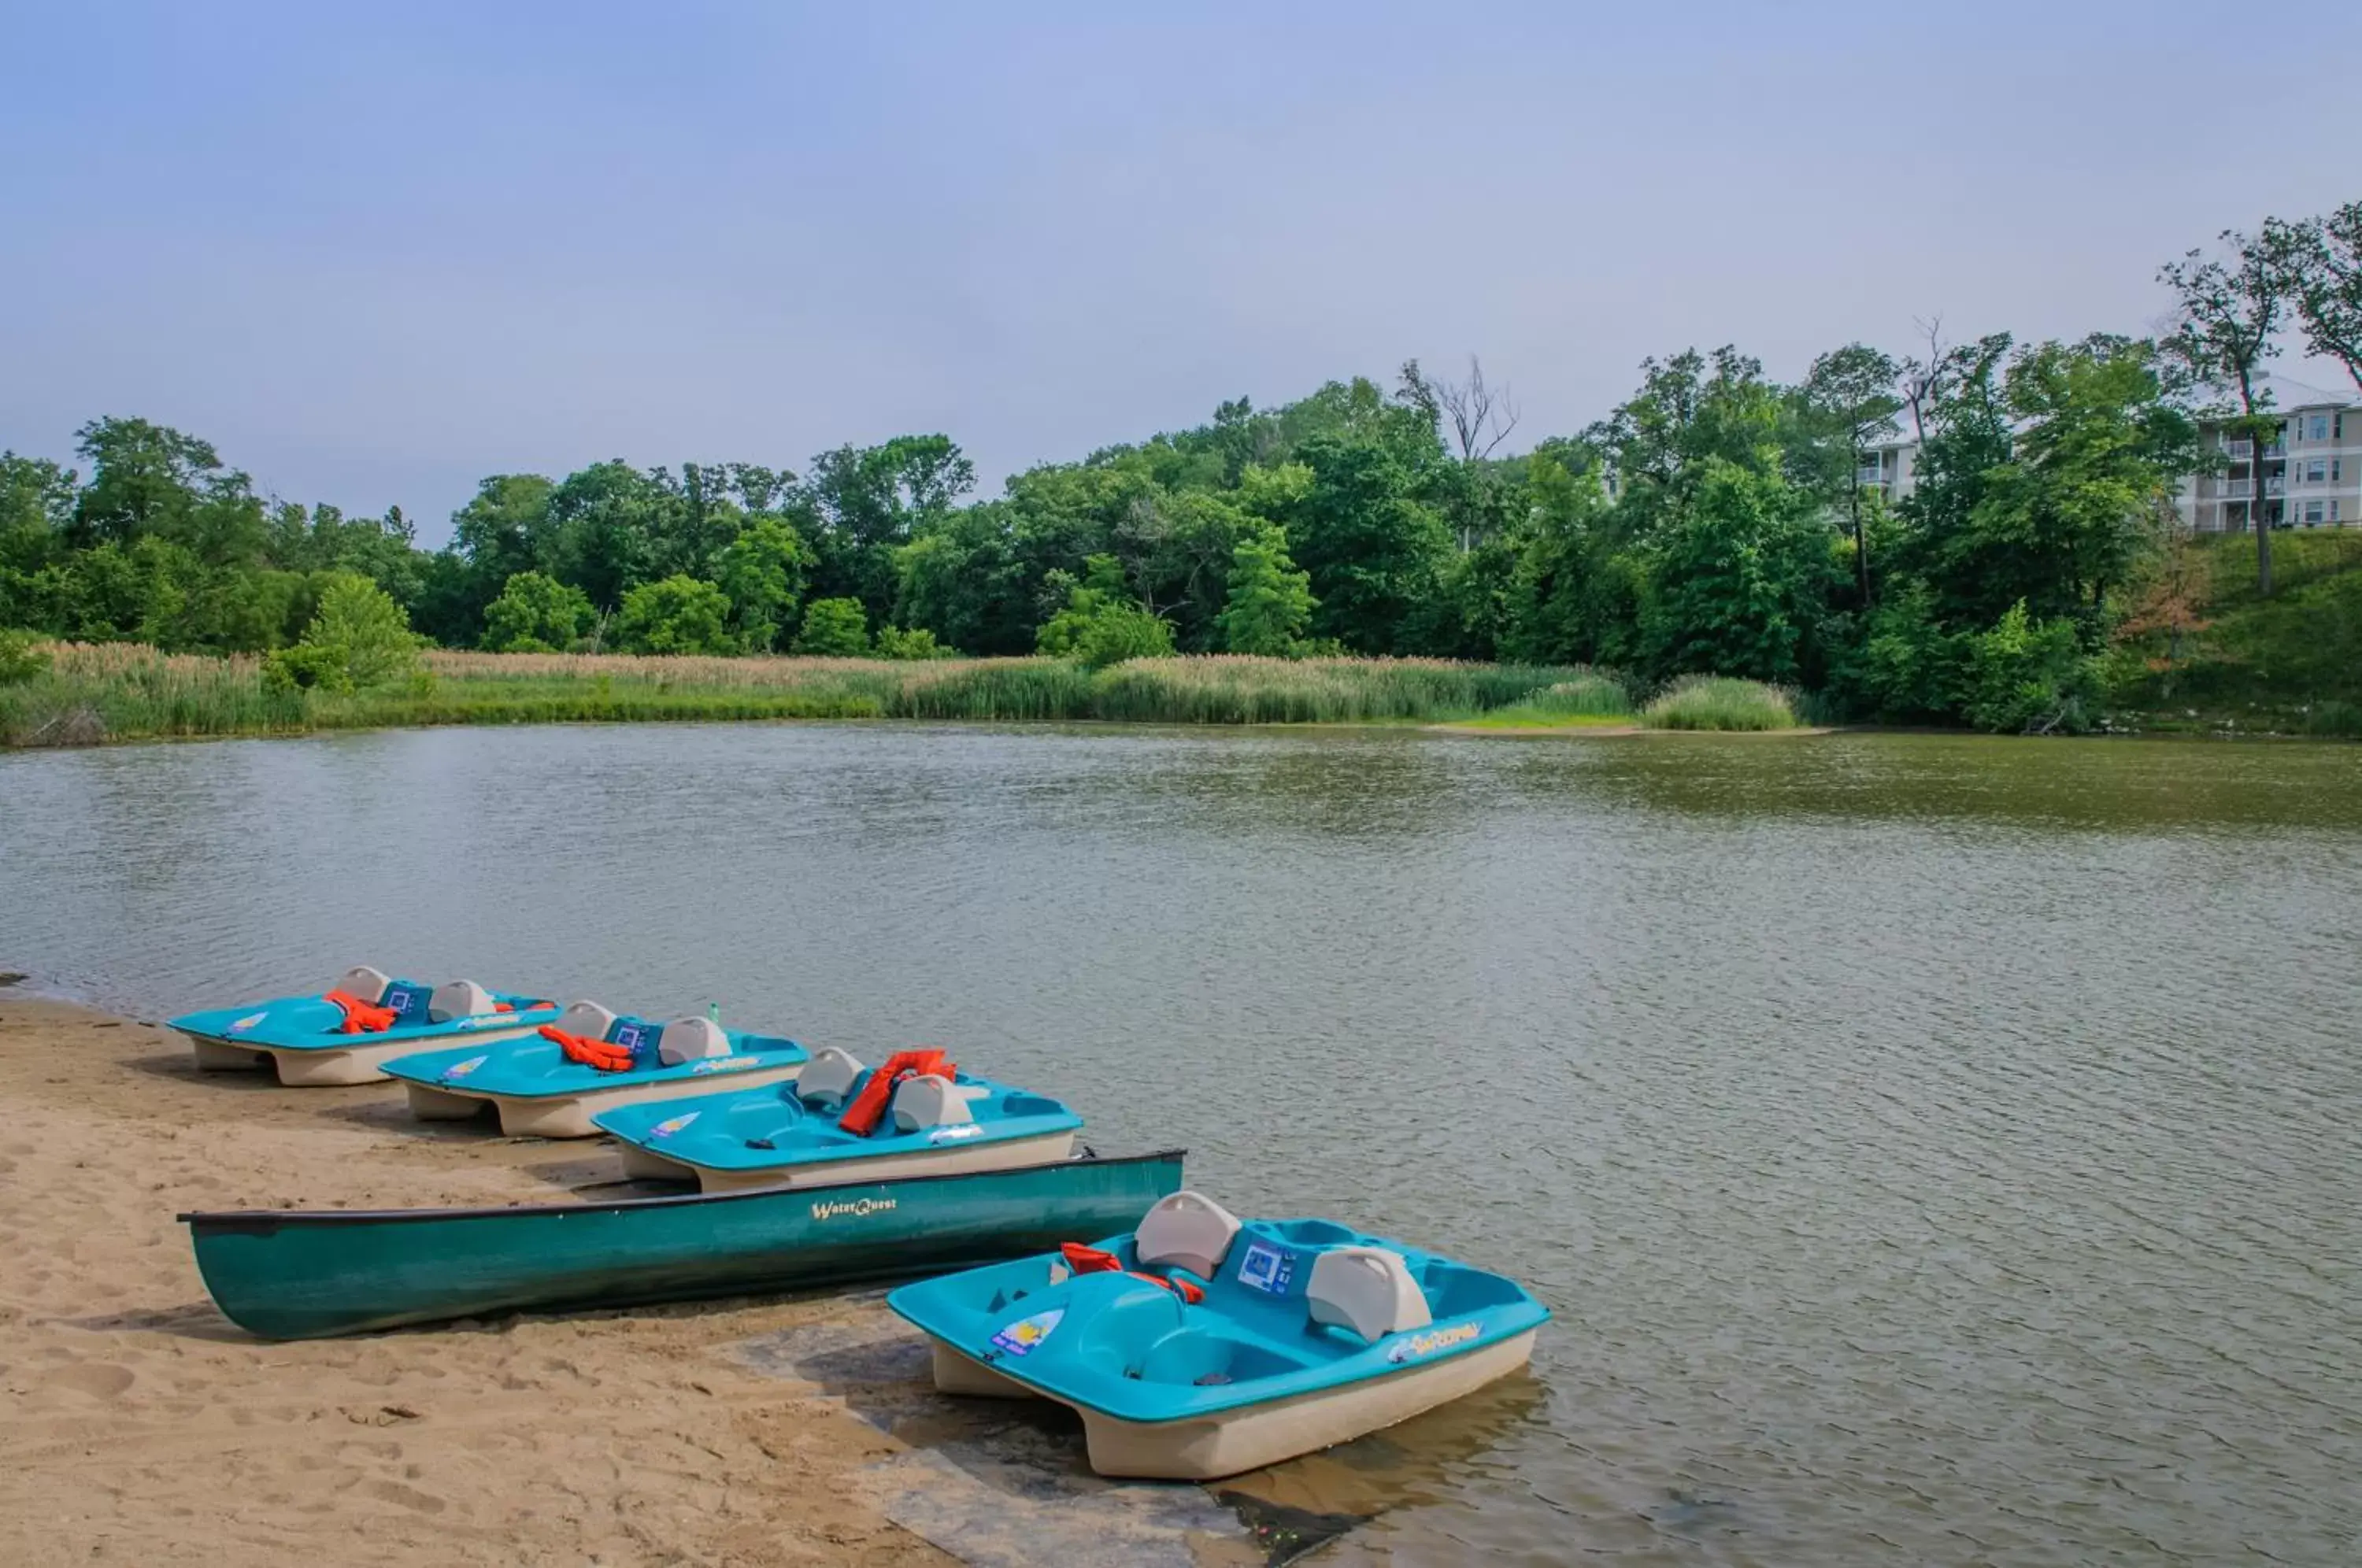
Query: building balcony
(2245, 489)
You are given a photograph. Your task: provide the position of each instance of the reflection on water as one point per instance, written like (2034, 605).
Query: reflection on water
(1934, 1149)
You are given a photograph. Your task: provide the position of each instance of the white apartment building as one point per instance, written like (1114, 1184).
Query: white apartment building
(2311, 475)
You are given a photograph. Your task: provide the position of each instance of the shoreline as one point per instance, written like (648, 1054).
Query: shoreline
(110, 694)
(144, 1427)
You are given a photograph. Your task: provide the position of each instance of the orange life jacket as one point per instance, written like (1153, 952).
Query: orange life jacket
(868, 1107)
(360, 1017)
(1090, 1260)
(591, 1052)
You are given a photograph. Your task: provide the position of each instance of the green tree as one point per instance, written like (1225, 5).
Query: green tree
(358, 640)
(1849, 401)
(967, 580)
(145, 478)
(2228, 316)
(2328, 253)
(1738, 582)
(870, 501)
(762, 571)
(111, 592)
(535, 614)
(2098, 449)
(1373, 547)
(506, 528)
(677, 614)
(833, 628)
(37, 499)
(1270, 603)
(608, 520)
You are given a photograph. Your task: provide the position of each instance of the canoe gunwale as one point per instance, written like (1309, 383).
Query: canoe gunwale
(264, 1222)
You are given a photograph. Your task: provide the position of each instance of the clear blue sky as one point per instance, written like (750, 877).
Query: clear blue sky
(374, 252)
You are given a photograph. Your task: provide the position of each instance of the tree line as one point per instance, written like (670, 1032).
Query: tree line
(1716, 521)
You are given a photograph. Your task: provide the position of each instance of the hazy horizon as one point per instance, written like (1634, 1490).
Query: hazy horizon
(375, 255)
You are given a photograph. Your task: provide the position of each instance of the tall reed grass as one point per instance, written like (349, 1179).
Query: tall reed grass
(1588, 697)
(92, 692)
(1719, 703)
(119, 691)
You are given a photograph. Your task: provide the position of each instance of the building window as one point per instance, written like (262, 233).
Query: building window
(2337, 424)
(2333, 509)
(2313, 513)
(2317, 470)
(2317, 427)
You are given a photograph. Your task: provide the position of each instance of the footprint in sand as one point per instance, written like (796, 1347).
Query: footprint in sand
(99, 1379)
(408, 1497)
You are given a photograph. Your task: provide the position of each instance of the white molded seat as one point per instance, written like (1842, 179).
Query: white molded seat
(586, 1018)
(828, 1076)
(457, 998)
(1366, 1290)
(365, 983)
(1186, 1230)
(690, 1040)
(930, 1101)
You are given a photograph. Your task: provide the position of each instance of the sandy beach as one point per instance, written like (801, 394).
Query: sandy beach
(143, 1428)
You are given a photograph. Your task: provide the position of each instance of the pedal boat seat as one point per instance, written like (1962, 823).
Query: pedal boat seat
(1367, 1290)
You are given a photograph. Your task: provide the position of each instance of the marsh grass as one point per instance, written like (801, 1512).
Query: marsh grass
(121, 691)
(92, 692)
(1718, 702)
(1583, 701)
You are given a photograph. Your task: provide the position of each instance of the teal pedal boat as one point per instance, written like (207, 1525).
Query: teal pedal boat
(840, 1121)
(346, 1034)
(1201, 1345)
(551, 1083)
(304, 1273)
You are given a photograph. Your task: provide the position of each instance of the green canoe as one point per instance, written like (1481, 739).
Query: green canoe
(301, 1274)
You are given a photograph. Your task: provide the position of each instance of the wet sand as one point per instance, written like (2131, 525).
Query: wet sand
(138, 1426)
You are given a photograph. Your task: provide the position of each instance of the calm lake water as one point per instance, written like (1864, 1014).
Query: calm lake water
(1935, 1150)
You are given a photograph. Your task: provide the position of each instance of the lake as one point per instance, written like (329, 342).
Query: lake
(1934, 1149)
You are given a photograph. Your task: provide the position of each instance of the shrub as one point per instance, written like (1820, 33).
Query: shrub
(833, 628)
(359, 638)
(1907, 669)
(20, 660)
(680, 614)
(2335, 717)
(303, 668)
(1101, 624)
(535, 614)
(2027, 675)
(1120, 632)
(894, 642)
(1719, 703)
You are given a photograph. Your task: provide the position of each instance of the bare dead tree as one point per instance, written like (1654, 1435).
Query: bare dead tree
(1481, 416)
(1924, 381)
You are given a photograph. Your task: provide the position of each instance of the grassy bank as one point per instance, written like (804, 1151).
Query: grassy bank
(118, 692)
(2287, 665)
(1715, 702)
(1588, 700)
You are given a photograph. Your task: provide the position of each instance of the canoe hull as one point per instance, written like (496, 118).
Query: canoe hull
(306, 1274)
(316, 1066)
(566, 1115)
(1250, 1437)
(948, 1159)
